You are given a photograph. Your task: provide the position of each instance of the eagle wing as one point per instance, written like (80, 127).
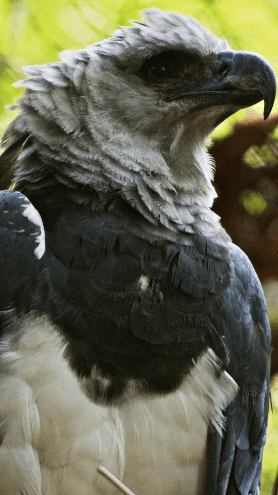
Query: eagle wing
(22, 245)
(235, 455)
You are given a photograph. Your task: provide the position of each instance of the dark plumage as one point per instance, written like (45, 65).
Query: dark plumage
(142, 329)
(22, 246)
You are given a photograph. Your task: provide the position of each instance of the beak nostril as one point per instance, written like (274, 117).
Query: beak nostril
(223, 69)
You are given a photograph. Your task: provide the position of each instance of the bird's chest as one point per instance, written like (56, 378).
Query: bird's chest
(165, 446)
(153, 443)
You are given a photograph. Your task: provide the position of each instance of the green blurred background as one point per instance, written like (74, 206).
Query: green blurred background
(35, 31)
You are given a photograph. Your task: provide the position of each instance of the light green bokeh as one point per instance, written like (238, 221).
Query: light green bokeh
(253, 202)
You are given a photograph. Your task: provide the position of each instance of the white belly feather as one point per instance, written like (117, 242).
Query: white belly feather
(165, 437)
(155, 445)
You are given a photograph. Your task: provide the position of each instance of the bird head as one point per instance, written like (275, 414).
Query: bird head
(178, 67)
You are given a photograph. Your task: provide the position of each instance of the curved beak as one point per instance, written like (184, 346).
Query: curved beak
(239, 80)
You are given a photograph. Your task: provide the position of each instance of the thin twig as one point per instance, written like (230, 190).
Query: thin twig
(275, 486)
(102, 470)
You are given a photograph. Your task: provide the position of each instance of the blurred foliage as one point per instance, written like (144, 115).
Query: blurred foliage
(256, 157)
(35, 31)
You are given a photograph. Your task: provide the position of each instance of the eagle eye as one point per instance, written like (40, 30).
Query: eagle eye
(166, 65)
(161, 71)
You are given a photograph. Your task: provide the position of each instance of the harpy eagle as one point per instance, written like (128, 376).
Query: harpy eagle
(135, 335)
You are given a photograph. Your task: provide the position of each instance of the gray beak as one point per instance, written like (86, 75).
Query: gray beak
(249, 74)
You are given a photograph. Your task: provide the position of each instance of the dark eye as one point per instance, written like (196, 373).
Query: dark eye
(166, 65)
(161, 71)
